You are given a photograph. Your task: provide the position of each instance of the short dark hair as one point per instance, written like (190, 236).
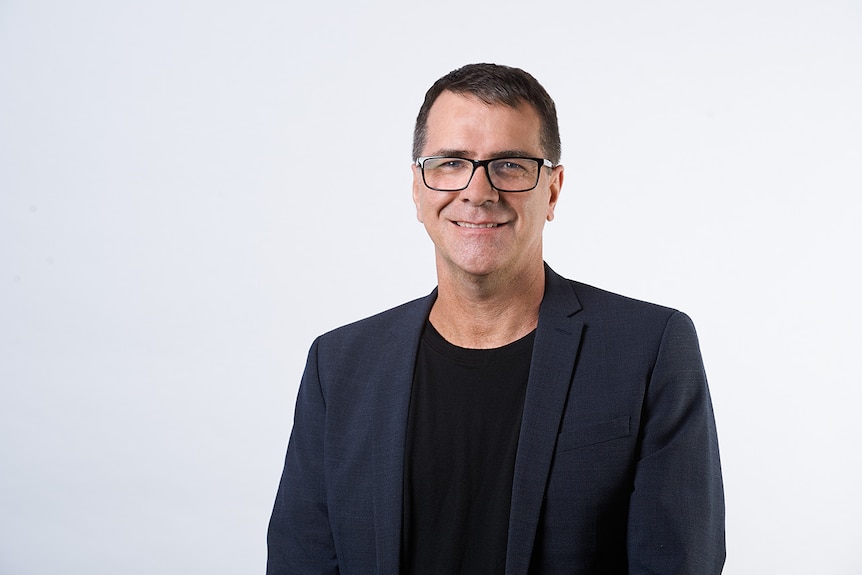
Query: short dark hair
(494, 84)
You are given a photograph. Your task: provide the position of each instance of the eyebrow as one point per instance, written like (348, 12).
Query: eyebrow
(451, 153)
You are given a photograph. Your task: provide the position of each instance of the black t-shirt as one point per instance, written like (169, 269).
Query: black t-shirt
(462, 437)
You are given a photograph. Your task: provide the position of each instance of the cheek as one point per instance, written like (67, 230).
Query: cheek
(540, 210)
(429, 206)
(534, 211)
(424, 209)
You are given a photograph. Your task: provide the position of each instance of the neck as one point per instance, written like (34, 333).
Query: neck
(488, 311)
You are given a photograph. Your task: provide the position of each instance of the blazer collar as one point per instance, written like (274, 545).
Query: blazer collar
(558, 338)
(391, 407)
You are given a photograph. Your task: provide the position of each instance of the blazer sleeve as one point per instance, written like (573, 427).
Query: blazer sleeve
(299, 539)
(676, 513)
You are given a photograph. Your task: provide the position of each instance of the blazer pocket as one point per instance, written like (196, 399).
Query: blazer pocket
(595, 433)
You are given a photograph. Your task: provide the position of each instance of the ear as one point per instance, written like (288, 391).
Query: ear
(418, 184)
(554, 186)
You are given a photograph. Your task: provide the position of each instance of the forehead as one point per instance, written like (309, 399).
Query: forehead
(458, 122)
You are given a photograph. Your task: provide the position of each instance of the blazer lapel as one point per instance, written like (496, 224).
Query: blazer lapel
(558, 337)
(391, 408)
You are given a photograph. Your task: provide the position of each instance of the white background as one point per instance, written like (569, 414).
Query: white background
(190, 192)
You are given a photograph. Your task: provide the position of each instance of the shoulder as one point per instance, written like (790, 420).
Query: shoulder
(355, 356)
(598, 300)
(611, 313)
(633, 314)
(591, 301)
(370, 331)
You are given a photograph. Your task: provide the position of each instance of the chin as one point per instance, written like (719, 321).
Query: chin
(477, 267)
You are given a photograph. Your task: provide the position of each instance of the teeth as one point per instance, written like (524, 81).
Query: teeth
(469, 225)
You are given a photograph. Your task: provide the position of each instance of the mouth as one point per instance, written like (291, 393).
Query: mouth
(476, 226)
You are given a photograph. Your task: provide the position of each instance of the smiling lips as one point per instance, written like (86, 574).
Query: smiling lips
(473, 226)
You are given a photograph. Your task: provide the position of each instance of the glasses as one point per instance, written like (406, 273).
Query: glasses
(505, 174)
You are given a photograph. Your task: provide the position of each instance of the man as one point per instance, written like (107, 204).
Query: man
(512, 421)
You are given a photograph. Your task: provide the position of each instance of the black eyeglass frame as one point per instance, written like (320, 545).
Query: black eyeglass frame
(541, 162)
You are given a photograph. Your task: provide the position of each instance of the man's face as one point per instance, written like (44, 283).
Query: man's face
(479, 231)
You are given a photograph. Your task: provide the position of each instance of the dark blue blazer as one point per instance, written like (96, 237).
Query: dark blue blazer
(617, 469)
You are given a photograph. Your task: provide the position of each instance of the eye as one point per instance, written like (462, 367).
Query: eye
(511, 166)
(455, 164)
(448, 164)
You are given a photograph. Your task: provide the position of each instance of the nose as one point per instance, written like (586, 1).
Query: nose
(480, 189)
